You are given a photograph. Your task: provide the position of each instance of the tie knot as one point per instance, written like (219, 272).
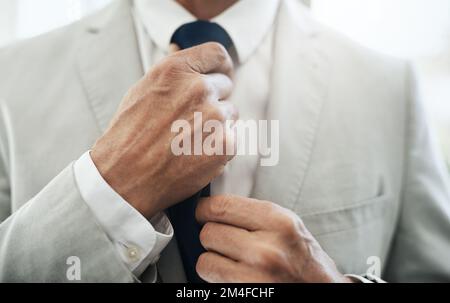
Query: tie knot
(199, 32)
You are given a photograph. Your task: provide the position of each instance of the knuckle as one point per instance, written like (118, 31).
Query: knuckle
(268, 205)
(218, 49)
(289, 227)
(212, 113)
(223, 160)
(170, 65)
(200, 89)
(206, 233)
(220, 170)
(229, 111)
(235, 114)
(167, 68)
(155, 72)
(271, 209)
(217, 113)
(286, 222)
(230, 144)
(229, 140)
(220, 208)
(203, 264)
(220, 53)
(270, 259)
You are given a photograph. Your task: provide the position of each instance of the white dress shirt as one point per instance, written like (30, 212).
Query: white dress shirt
(249, 23)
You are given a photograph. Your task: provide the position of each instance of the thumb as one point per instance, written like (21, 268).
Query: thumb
(173, 48)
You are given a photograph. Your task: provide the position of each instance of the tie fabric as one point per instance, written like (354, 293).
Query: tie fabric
(182, 216)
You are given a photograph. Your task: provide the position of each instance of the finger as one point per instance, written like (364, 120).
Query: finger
(208, 58)
(173, 48)
(231, 114)
(246, 213)
(229, 111)
(221, 85)
(226, 240)
(214, 268)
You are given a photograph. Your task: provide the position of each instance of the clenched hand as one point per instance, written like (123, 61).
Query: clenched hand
(134, 155)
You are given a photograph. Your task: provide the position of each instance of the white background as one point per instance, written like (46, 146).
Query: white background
(414, 29)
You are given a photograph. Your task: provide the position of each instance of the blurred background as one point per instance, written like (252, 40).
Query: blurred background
(414, 29)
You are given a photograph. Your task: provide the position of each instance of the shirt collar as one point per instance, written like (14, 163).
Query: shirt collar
(247, 22)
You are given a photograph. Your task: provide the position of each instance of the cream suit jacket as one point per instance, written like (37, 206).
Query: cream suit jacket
(357, 162)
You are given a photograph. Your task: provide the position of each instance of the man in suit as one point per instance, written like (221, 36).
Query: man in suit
(88, 173)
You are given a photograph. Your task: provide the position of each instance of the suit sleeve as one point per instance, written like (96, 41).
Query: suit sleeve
(37, 241)
(421, 248)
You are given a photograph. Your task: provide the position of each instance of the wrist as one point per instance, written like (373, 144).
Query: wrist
(125, 186)
(326, 271)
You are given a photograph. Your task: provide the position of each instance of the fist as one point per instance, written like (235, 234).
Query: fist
(134, 155)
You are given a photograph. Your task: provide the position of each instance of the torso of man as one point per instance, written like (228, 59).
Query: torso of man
(356, 161)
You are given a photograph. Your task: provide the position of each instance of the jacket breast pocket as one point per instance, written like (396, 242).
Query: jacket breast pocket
(340, 219)
(355, 234)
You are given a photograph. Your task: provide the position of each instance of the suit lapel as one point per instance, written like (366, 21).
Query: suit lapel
(109, 61)
(299, 90)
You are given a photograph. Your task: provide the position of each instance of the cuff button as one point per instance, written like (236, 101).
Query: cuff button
(133, 254)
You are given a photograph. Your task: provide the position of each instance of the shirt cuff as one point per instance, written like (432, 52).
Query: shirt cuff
(138, 241)
(367, 279)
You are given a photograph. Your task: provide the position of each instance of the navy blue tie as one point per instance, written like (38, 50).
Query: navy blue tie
(182, 216)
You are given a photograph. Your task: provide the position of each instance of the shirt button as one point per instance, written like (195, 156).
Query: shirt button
(133, 254)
